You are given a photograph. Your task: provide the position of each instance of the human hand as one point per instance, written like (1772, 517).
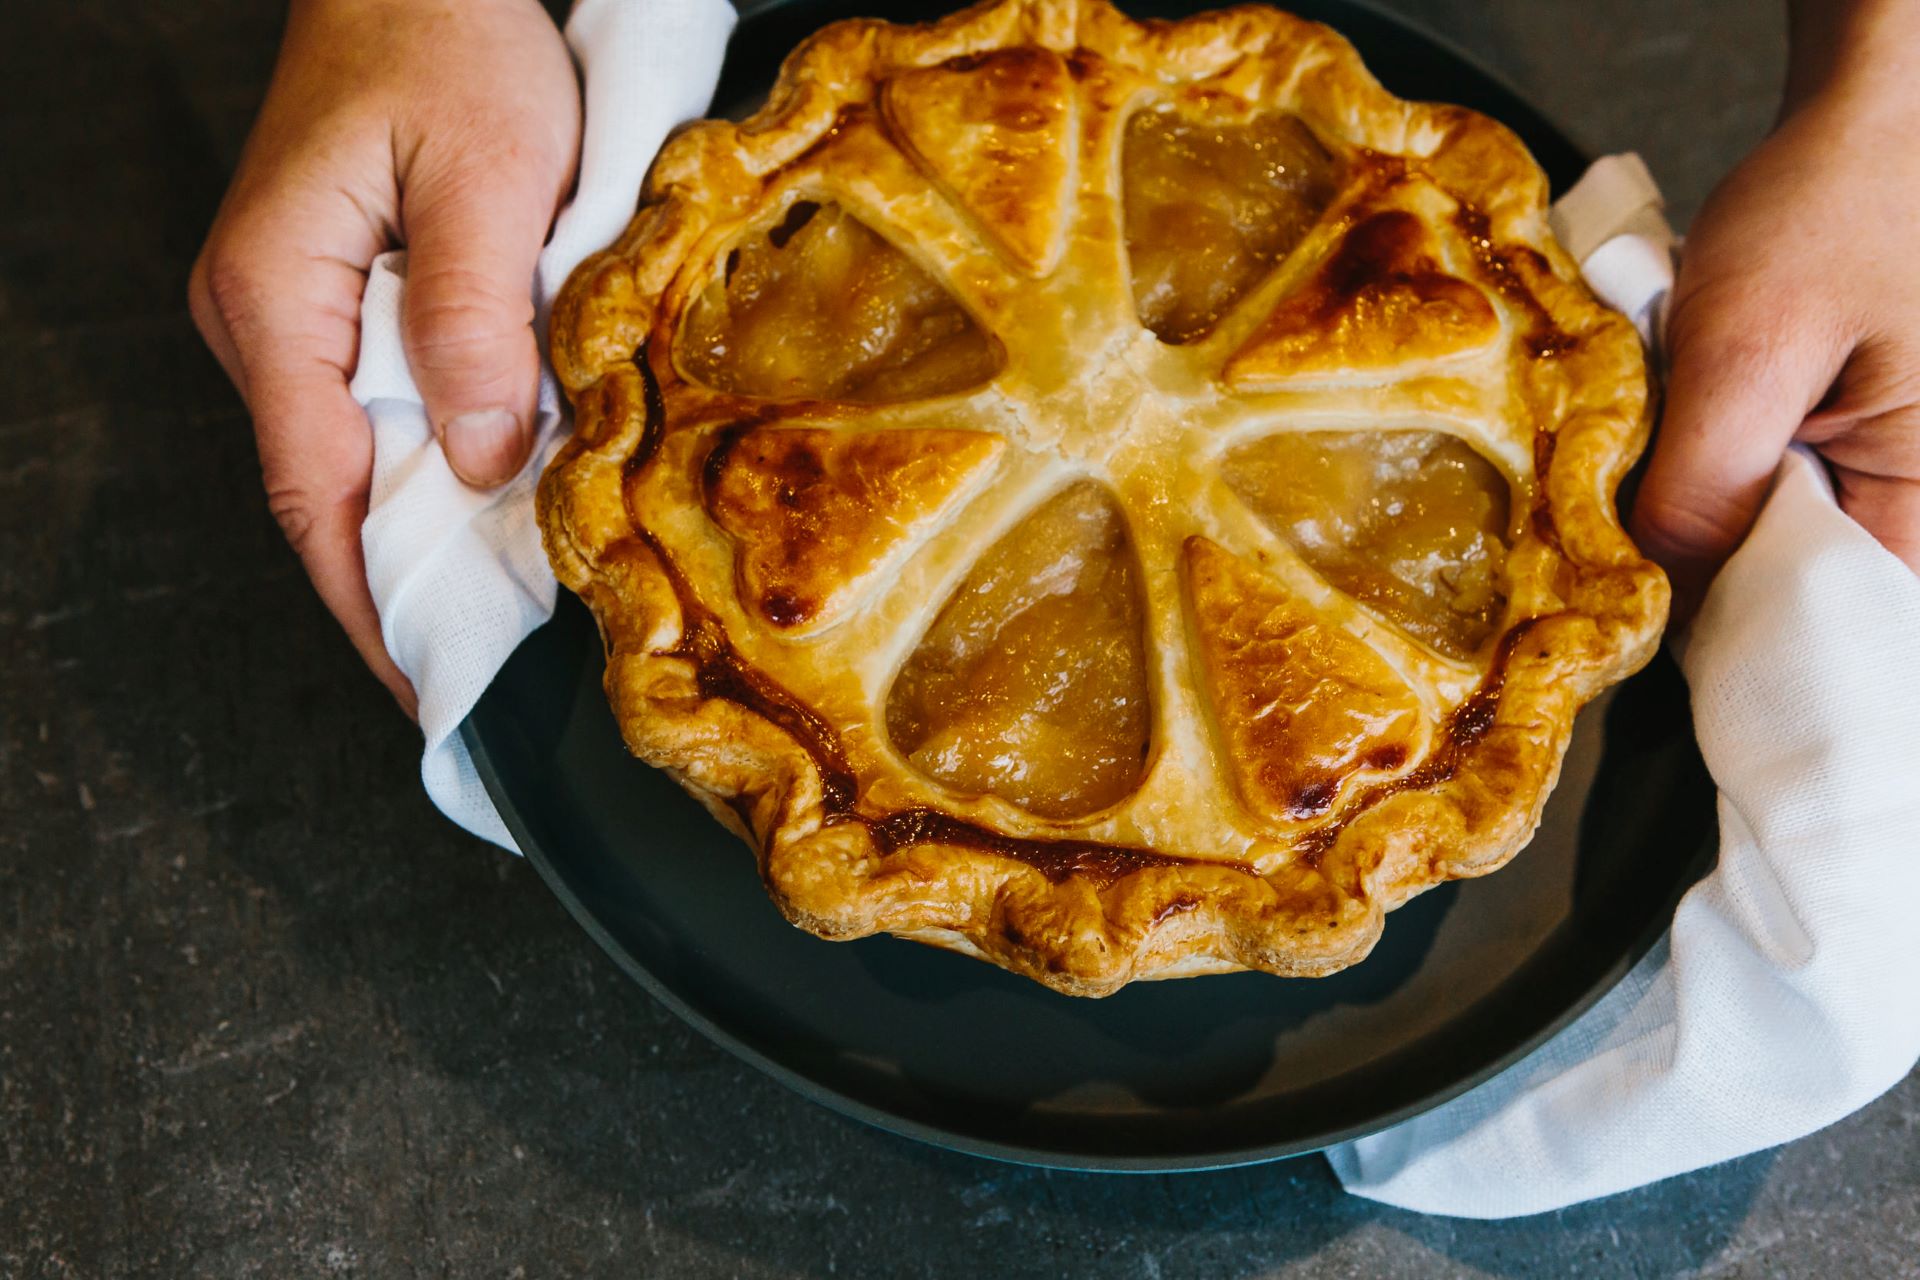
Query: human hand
(1797, 317)
(452, 129)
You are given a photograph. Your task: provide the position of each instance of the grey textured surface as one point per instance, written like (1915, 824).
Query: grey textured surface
(263, 1013)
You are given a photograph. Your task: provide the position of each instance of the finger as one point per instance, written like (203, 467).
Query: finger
(212, 327)
(474, 231)
(1868, 430)
(290, 318)
(1883, 444)
(316, 461)
(1888, 507)
(1870, 420)
(1746, 368)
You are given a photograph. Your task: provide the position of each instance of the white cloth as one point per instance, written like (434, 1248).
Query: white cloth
(458, 575)
(1785, 996)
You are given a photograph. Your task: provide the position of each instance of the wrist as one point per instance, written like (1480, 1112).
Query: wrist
(1861, 54)
(302, 9)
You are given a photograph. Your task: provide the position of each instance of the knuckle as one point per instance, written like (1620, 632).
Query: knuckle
(1743, 325)
(1884, 444)
(1882, 379)
(1903, 425)
(227, 283)
(1767, 329)
(294, 510)
(480, 154)
(1687, 521)
(461, 346)
(463, 322)
(200, 307)
(458, 290)
(1888, 507)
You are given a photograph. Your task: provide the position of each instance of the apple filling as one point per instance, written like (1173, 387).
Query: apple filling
(1031, 685)
(818, 306)
(1412, 523)
(1211, 208)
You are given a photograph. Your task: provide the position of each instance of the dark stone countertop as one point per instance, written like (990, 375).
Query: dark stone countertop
(262, 1012)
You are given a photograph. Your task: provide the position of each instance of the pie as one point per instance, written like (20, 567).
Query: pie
(1118, 499)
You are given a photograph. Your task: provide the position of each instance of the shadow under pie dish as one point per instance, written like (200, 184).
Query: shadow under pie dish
(1122, 500)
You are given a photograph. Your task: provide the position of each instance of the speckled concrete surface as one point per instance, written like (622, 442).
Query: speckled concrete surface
(263, 1014)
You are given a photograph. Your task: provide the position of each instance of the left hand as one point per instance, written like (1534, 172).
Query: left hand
(451, 128)
(1796, 317)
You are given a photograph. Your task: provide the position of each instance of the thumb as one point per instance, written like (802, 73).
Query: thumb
(473, 234)
(1746, 369)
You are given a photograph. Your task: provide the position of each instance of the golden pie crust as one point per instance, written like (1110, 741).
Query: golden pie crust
(943, 281)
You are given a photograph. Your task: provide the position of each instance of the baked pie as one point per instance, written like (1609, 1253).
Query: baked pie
(1119, 499)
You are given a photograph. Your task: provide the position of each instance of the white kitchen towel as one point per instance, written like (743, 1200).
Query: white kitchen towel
(458, 575)
(1783, 998)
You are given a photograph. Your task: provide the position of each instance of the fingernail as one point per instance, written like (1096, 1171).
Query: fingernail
(484, 447)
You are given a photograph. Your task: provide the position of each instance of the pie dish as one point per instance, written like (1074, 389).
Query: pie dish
(1123, 500)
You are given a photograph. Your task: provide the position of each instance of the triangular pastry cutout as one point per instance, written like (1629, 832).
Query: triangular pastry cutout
(1381, 302)
(1031, 684)
(1413, 524)
(996, 132)
(1301, 704)
(817, 305)
(1210, 207)
(816, 514)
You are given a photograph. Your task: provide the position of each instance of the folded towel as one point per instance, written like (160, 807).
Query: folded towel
(458, 575)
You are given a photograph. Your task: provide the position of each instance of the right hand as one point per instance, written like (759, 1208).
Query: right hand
(1796, 316)
(451, 129)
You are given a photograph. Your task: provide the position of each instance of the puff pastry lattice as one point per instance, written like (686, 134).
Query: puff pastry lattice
(1120, 499)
